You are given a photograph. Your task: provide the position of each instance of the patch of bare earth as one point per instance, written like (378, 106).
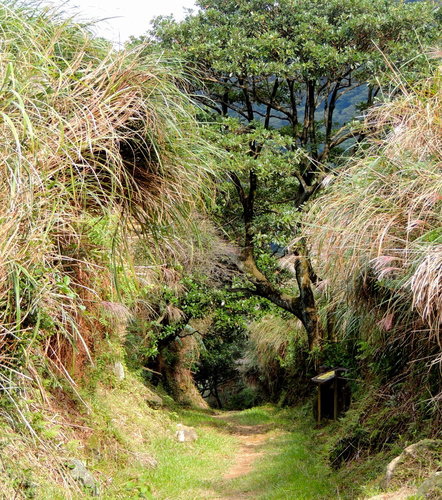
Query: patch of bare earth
(251, 438)
(401, 494)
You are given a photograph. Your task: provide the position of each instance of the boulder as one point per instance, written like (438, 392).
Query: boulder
(153, 400)
(185, 434)
(80, 473)
(424, 453)
(431, 488)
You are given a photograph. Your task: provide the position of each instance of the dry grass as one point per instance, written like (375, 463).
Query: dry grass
(269, 340)
(101, 172)
(426, 287)
(377, 232)
(99, 148)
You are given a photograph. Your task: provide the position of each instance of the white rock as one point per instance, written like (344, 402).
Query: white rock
(119, 370)
(185, 434)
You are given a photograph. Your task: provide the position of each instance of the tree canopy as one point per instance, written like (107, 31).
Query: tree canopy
(300, 64)
(282, 84)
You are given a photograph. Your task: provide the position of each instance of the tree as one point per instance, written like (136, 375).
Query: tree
(293, 74)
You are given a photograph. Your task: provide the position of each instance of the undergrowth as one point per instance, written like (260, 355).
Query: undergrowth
(103, 179)
(94, 146)
(375, 240)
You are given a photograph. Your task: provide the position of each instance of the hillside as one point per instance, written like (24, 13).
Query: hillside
(173, 266)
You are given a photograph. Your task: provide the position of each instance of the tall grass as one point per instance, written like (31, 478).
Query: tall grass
(269, 340)
(97, 147)
(377, 232)
(274, 358)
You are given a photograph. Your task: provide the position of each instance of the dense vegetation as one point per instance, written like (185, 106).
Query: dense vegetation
(212, 225)
(283, 82)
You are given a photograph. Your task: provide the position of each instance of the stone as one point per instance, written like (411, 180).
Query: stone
(431, 488)
(146, 460)
(80, 473)
(432, 447)
(119, 370)
(153, 400)
(185, 434)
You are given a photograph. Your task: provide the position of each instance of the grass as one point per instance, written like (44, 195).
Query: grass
(184, 470)
(104, 177)
(293, 465)
(120, 435)
(376, 232)
(189, 470)
(253, 416)
(375, 238)
(97, 159)
(292, 468)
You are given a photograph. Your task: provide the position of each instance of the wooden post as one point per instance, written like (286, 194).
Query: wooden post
(335, 398)
(319, 404)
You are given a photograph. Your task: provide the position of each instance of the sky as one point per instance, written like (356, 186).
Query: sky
(129, 17)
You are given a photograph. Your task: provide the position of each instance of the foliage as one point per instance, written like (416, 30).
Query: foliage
(375, 235)
(385, 215)
(292, 65)
(272, 355)
(212, 315)
(277, 75)
(224, 340)
(104, 177)
(278, 157)
(94, 146)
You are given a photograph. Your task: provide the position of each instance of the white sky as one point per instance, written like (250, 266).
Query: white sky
(131, 17)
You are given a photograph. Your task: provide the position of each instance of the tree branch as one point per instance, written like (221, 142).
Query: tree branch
(239, 188)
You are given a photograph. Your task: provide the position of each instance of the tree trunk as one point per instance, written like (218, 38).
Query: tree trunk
(174, 363)
(302, 306)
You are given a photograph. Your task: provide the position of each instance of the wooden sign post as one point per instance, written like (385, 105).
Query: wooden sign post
(333, 394)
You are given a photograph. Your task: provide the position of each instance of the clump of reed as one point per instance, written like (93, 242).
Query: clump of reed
(270, 337)
(376, 233)
(98, 147)
(271, 356)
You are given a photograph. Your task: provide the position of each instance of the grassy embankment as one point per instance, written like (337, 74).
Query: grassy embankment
(102, 169)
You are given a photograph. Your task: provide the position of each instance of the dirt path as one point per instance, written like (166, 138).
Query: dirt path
(252, 438)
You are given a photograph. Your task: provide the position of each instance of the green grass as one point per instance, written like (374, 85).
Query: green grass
(126, 431)
(185, 470)
(188, 470)
(253, 416)
(198, 418)
(291, 469)
(293, 466)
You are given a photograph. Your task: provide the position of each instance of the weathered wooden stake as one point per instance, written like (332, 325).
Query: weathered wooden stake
(335, 398)
(319, 404)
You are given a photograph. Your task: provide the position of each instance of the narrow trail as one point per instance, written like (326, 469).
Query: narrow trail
(252, 439)
(262, 453)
